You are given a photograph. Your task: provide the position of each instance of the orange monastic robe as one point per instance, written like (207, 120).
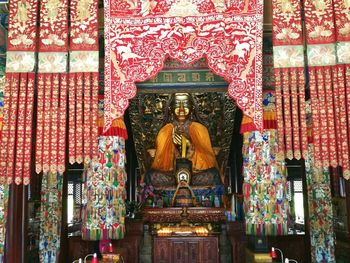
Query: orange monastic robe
(203, 157)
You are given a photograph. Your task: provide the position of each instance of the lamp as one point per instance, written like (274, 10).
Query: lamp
(110, 248)
(94, 258)
(287, 260)
(274, 255)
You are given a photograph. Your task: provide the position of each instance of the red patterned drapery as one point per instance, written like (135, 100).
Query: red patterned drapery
(327, 51)
(342, 31)
(139, 35)
(16, 137)
(83, 81)
(52, 87)
(289, 79)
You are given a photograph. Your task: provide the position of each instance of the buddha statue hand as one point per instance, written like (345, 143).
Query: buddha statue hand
(184, 144)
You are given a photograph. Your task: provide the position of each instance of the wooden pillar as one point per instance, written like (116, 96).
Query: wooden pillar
(347, 189)
(16, 234)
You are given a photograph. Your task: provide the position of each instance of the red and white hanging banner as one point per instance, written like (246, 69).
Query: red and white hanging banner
(140, 34)
(62, 119)
(342, 27)
(21, 121)
(72, 118)
(84, 58)
(15, 156)
(289, 64)
(19, 93)
(328, 97)
(52, 86)
(27, 155)
(22, 36)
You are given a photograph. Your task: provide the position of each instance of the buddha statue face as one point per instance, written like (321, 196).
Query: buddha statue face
(181, 106)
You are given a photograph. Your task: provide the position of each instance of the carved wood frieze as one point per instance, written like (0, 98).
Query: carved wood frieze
(176, 214)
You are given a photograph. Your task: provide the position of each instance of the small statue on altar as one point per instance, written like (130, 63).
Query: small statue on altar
(183, 139)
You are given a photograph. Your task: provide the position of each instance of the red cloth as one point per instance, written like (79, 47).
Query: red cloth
(139, 35)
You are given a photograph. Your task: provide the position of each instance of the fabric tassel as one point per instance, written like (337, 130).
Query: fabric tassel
(329, 107)
(323, 122)
(287, 114)
(94, 118)
(87, 118)
(20, 135)
(315, 117)
(12, 124)
(295, 115)
(79, 118)
(346, 174)
(28, 144)
(279, 115)
(47, 123)
(40, 124)
(54, 135)
(343, 124)
(61, 137)
(72, 116)
(302, 112)
(5, 129)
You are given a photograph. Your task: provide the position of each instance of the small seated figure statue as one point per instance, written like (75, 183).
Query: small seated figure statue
(187, 139)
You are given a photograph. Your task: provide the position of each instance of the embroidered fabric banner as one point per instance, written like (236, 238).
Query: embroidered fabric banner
(319, 204)
(328, 89)
(140, 34)
(52, 87)
(289, 79)
(103, 208)
(104, 192)
(22, 36)
(2, 89)
(15, 153)
(342, 24)
(51, 217)
(320, 211)
(266, 206)
(51, 122)
(16, 136)
(83, 129)
(83, 81)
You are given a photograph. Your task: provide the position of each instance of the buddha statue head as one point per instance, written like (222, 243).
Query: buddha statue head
(181, 106)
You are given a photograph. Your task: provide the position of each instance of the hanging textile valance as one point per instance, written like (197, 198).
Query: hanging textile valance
(139, 35)
(288, 55)
(103, 208)
(52, 87)
(16, 139)
(266, 206)
(327, 38)
(83, 81)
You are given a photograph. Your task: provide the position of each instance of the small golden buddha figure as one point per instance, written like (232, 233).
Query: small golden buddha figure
(183, 138)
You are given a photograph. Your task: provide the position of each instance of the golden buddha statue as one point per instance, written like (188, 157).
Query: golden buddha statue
(183, 138)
